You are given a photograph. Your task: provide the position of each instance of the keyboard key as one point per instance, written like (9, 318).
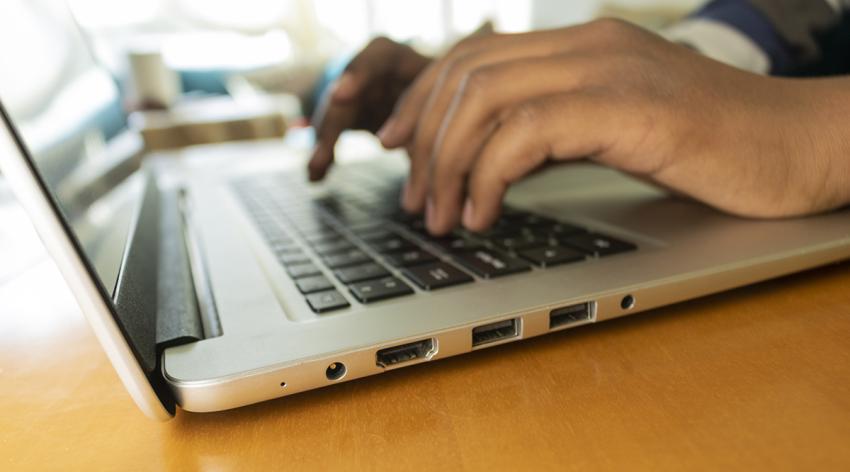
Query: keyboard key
(381, 289)
(597, 244)
(560, 229)
(418, 226)
(552, 255)
(436, 275)
(347, 258)
(372, 234)
(520, 241)
(334, 246)
(302, 270)
(499, 232)
(284, 248)
(316, 283)
(405, 218)
(486, 263)
(394, 244)
(351, 216)
(322, 302)
(455, 243)
(359, 273)
(275, 236)
(310, 228)
(409, 258)
(522, 218)
(322, 237)
(292, 258)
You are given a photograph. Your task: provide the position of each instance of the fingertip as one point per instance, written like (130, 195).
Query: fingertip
(473, 219)
(387, 134)
(432, 220)
(317, 167)
(315, 175)
(468, 216)
(315, 172)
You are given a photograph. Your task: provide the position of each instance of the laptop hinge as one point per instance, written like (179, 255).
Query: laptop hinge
(178, 316)
(154, 295)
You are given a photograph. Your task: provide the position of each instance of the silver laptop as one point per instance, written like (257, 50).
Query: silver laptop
(227, 280)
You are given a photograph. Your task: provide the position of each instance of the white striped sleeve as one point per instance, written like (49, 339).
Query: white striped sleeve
(720, 42)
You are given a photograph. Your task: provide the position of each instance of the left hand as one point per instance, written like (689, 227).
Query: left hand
(496, 108)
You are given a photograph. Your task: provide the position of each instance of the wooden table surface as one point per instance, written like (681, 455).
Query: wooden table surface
(757, 378)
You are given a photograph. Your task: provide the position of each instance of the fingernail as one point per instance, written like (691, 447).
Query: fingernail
(430, 215)
(467, 213)
(386, 131)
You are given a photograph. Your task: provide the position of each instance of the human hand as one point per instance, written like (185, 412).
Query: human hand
(495, 108)
(363, 96)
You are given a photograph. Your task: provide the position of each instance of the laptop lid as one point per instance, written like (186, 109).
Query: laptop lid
(60, 110)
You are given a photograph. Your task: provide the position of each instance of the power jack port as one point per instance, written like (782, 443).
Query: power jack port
(335, 371)
(627, 303)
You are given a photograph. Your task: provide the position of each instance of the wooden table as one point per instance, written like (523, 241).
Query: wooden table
(758, 378)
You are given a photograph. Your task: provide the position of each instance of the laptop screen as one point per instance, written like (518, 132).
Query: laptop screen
(66, 109)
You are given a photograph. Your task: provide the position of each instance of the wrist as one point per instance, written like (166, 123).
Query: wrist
(823, 153)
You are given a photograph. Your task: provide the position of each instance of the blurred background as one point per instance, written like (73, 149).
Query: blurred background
(276, 46)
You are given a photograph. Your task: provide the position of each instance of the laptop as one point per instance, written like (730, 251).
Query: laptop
(226, 279)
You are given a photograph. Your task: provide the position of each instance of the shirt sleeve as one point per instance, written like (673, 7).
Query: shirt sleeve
(762, 36)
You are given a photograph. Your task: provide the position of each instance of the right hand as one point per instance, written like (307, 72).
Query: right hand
(363, 96)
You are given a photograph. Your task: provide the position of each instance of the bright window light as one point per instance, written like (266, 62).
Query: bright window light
(239, 14)
(33, 55)
(349, 21)
(467, 15)
(227, 50)
(112, 13)
(513, 16)
(404, 21)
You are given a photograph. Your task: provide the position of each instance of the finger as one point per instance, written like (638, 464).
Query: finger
(565, 126)
(399, 127)
(375, 60)
(473, 113)
(420, 115)
(429, 118)
(473, 50)
(330, 121)
(585, 36)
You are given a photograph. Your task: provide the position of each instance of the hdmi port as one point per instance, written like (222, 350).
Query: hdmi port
(572, 314)
(494, 332)
(392, 356)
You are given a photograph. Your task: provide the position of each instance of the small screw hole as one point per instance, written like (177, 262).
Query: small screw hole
(627, 303)
(282, 384)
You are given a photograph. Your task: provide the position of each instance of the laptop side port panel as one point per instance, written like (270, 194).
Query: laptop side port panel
(408, 353)
(495, 332)
(572, 315)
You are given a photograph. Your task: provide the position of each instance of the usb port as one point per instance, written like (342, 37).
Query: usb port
(493, 332)
(391, 356)
(570, 315)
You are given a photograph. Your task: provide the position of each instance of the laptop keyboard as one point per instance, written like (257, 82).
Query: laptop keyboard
(358, 236)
